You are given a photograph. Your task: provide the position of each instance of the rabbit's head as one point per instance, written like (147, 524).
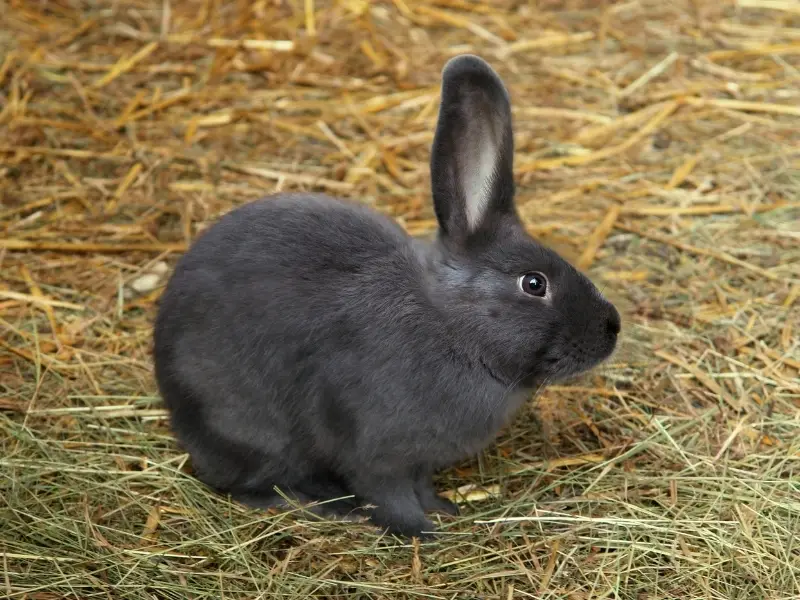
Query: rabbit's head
(529, 315)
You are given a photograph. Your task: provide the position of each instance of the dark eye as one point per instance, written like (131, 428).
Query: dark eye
(534, 284)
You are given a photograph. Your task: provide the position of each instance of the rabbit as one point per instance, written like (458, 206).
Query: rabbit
(307, 348)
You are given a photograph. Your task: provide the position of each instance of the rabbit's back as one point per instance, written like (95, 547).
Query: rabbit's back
(311, 232)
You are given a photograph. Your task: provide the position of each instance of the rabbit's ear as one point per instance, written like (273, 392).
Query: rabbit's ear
(472, 157)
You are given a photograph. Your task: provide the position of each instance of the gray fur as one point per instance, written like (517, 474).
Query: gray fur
(308, 343)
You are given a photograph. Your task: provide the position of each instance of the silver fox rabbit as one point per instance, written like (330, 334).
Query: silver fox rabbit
(308, 343)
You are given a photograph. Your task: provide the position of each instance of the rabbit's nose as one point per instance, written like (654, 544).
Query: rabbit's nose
(614, 323)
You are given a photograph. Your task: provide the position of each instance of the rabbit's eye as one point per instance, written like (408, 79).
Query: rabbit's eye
(534, 284)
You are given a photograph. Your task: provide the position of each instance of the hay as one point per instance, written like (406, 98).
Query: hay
(657, 145)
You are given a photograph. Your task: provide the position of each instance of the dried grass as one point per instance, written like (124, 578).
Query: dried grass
(658, 145)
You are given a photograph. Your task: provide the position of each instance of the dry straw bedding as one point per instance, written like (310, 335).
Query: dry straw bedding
(658, 146)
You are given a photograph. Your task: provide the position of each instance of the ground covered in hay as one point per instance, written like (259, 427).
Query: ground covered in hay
(658, 146)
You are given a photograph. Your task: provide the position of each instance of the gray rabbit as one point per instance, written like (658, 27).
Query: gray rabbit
(308, 343)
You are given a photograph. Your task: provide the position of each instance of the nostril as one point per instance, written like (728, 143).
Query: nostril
(614, 323)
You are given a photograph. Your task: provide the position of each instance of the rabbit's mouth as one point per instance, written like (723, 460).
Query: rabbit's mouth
(572, 364)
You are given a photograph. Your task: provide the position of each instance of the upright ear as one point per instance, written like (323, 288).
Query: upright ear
(472, 158)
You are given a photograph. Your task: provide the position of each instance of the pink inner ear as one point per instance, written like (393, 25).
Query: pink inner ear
(479, 170)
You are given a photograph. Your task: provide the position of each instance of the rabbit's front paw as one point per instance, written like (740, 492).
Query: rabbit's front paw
(397, 509)
(431, 501)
